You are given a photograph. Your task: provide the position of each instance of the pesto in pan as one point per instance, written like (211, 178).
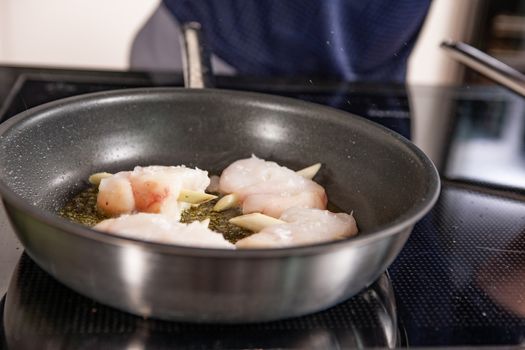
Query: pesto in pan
(82, 209)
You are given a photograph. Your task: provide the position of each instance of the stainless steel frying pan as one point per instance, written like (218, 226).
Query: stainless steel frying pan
(48, 152)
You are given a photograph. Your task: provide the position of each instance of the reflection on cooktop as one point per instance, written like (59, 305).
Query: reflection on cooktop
(39, 313)
(488, 141)
(389, 108)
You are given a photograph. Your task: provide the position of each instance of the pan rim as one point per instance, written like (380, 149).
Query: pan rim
(408, 219)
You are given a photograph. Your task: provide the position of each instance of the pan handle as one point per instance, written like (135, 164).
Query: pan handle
(195, 58)
(486, 65)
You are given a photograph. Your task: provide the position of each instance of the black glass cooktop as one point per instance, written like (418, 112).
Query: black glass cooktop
(459, 281)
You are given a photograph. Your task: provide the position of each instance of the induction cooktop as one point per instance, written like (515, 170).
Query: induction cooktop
(459, 281)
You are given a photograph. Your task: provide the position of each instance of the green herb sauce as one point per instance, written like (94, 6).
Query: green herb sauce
(218, 221)
(82, 209)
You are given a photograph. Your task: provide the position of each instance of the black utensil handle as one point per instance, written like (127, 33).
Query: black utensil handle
(486, 65)
(196, 59)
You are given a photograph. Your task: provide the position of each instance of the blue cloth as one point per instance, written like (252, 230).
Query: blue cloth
(367, 40)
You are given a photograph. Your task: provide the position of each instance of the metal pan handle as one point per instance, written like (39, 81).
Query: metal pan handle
(486, 65)
(195, 58)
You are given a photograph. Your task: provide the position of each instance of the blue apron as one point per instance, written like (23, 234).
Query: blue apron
(367, 40)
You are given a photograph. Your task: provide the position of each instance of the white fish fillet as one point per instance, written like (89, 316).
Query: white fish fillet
(303, 226)
(266, 187)
(152, 189)
(163, 229)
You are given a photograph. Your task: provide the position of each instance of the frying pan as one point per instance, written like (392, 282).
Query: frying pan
(48, 152)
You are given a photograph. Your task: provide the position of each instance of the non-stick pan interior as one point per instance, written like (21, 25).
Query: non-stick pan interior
(49, 154)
